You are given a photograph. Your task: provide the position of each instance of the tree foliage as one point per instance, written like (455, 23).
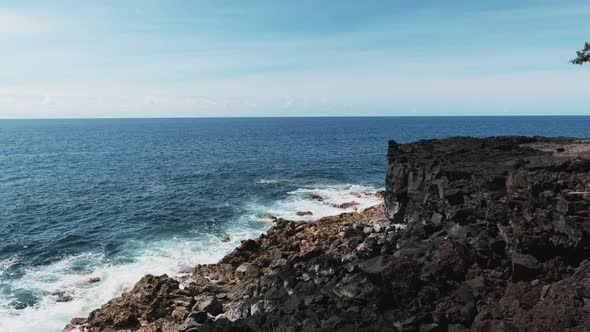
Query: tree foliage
(583, 55)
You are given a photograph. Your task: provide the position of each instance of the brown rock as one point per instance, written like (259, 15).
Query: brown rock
(345, 205)
(179, 314)
(317, 198)
(207, 303)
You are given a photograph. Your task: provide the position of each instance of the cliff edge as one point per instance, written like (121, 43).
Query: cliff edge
(475, 235)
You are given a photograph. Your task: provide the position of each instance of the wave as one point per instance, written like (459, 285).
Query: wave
(8, 263)
(329, 200)
(267, 181)
(63, 290)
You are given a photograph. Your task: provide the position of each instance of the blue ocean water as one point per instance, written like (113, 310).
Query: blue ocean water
(118, 198)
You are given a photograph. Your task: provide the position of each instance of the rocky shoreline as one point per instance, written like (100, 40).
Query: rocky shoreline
(474, 235)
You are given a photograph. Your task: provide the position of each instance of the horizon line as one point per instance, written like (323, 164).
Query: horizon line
(299, 117)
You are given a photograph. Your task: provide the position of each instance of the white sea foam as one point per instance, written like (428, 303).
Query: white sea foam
(64, 279)
(332, 195)
(7, 263)
(267, 181)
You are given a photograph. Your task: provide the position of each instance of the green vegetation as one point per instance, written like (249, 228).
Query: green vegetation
(583, 55)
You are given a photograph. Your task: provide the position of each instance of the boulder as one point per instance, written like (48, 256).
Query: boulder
(207, 303)
(317, 198)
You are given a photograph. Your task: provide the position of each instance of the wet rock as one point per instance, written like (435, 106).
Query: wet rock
(62, 296)
(76, 324)
(345, 205)
(78, 321)
(304, 213)
(93, 280)
(268, 216)
(317, 198)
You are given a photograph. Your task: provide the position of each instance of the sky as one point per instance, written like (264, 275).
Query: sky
(172, 58)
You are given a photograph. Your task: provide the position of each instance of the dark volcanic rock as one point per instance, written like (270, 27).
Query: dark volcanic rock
(524, 267)
(507, 203)
(93, 280)
(304, 213)
(317, 198)
(479, 235)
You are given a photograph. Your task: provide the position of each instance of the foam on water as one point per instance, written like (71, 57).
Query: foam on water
(332, 195)
(267, 181)
(7, 263)
(63, 280)
(67, 279)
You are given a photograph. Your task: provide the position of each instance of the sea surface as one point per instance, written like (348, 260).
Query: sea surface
(116, 199)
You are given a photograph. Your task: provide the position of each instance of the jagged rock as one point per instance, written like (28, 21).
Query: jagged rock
(179, 314)
(243, 268)
(200, 317)
(189, 325)
(207, 303)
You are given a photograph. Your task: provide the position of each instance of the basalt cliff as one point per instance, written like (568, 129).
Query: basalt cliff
(474, 235)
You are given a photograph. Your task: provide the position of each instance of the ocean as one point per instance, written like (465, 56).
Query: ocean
(119, 198)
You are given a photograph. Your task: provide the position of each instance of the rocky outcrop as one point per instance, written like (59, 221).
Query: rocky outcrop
(500, 222)
(479, 235)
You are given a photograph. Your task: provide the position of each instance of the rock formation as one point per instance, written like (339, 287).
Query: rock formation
(479, 235)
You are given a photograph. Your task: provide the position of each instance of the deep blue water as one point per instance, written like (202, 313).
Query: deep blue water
(120, 198)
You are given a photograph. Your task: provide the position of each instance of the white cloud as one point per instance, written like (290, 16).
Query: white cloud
(386, 64)
(297, 94)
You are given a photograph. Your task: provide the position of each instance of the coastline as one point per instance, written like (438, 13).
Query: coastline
(474, 235)
(220, 284)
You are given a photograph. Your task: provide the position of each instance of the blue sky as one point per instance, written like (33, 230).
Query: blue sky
(291, 58)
